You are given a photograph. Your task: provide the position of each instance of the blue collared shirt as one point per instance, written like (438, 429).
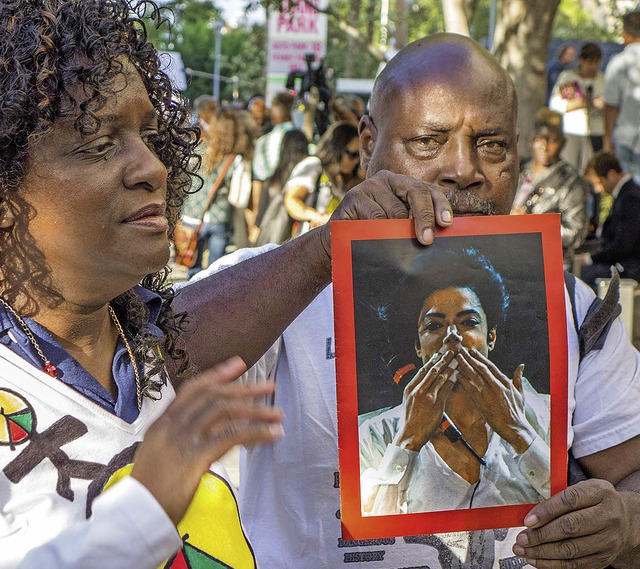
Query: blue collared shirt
(71, 372)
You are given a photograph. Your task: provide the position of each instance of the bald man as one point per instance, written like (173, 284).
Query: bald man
(442, 126)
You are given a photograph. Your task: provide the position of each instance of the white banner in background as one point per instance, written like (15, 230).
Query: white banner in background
(293, 32)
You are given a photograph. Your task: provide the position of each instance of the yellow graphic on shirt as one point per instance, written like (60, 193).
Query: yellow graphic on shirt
(211, 531)
(17, 419)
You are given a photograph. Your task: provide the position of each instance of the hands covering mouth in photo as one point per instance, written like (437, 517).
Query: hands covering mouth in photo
(452, 342)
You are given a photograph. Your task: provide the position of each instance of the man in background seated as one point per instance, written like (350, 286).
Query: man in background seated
(621, 230)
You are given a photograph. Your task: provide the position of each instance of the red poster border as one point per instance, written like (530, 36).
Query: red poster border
(343, 233)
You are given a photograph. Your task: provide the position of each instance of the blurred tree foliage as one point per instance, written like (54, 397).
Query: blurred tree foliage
(189, 29)
(574, 21)
(244, 56)
(353, 38)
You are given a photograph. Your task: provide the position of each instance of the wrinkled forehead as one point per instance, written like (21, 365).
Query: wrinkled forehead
(79, 96)
(125, 101)
(463, 81)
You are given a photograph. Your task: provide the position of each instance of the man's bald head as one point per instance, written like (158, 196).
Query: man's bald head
(436, 58)
(443, 111)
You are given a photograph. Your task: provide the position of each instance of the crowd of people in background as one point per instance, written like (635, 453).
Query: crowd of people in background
(584, 159)
(285, 178)
(265, 179)
(120, 392)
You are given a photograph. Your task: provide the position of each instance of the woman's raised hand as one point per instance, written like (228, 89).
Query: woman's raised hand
(210, 415)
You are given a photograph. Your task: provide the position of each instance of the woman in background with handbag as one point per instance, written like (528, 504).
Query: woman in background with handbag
(273, 220)
(208, 210)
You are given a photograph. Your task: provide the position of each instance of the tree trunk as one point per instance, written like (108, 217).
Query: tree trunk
(455, 16)
(402, 25)
(520, 43)
(348, 29)
(371, 20)
(352, 46)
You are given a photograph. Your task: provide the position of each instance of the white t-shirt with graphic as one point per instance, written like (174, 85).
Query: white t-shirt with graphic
(66, 500)
(289, 491)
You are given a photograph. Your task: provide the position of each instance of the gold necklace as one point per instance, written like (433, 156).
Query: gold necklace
(112, 312)
(51, 370)
(48, 368)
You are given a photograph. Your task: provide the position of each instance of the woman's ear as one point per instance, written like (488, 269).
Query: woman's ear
(491, 338)
(7, 218)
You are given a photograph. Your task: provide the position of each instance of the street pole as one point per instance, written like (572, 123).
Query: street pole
(216, 60)
(236, 92)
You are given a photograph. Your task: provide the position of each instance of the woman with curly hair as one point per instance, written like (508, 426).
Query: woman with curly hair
(95, 162)
(100, 459)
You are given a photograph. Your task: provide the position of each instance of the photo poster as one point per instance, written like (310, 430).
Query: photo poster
(391, 295)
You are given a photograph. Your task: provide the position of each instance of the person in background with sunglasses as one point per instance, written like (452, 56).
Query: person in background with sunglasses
(549, 184)
(318, 183)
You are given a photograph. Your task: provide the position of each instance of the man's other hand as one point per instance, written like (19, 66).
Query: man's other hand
(587, 525)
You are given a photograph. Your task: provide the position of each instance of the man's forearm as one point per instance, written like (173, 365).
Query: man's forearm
(243, 309)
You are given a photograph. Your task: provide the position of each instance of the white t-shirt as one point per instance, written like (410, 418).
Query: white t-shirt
(579, 122)
(622, 90)
(308, 174)
(396, 480)
(66, 500)
(40, 499)
(289, 491)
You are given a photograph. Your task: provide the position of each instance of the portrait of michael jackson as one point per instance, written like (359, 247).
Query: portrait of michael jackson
(467, 433)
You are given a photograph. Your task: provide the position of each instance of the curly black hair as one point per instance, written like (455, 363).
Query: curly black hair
(457, 267)
(46, 46)
(423, 271)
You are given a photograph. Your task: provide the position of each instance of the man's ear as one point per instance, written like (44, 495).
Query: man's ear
(491, 338)
(7, 218)
(368, 135)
